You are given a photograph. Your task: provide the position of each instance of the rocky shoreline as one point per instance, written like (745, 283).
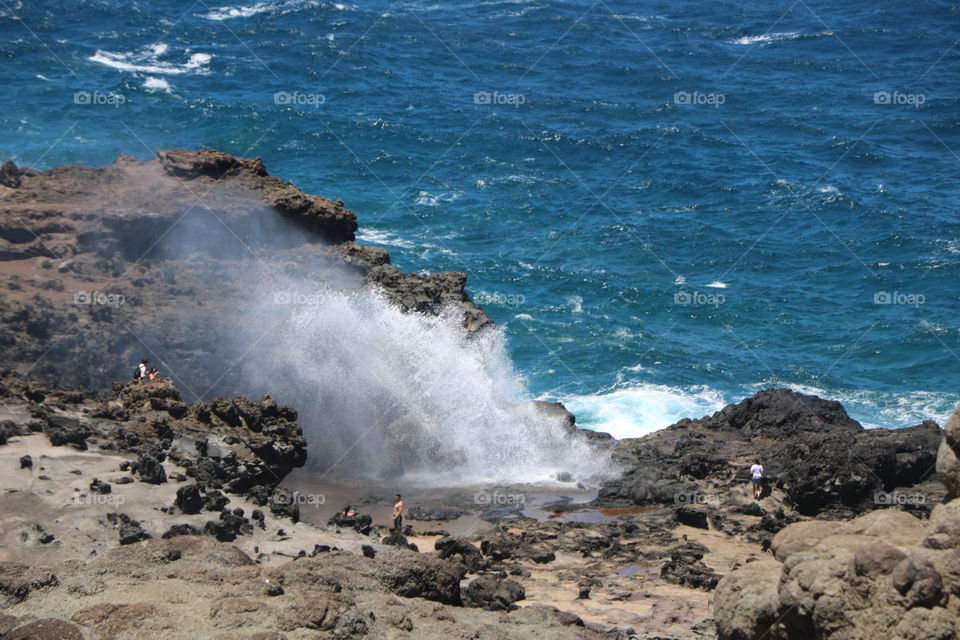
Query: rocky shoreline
(153, 509)
(106, 495)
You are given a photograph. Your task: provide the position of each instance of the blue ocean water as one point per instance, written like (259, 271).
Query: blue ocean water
(666, 205)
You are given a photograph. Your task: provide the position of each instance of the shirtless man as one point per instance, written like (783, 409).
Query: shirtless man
(398, 513)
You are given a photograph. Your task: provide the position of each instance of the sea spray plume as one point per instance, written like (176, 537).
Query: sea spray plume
(380, 391)
(387, 393)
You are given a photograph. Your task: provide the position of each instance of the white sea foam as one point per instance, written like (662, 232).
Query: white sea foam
(716, 284)
(247, 11)
(157, 84)
(779, 36)
(374, 236)
(634, 410)
(427, 199)
(147, 61)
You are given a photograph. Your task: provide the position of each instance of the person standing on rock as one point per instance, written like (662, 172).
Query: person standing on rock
(398, 513)
(142, 370)
(756, 479)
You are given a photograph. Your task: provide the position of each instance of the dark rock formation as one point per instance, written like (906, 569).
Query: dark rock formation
(822, 459)
(885, 574)
(686, 568)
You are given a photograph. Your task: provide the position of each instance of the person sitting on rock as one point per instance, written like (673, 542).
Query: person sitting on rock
(349, 513)
(756, 479)
(152, 374)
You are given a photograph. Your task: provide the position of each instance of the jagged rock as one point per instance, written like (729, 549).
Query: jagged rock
(181, 530)
(810, 448)
(9, 174)
(129, 529)
(499, 547)
(434, 513)
(26, 462)
(189, 499)
(493, 593)
(420, 576)
(228, 527)
(691, 516)
(149, 469)
(456, 546)
(398, 540)
(686, 568)
(99, 486)
(65, 431)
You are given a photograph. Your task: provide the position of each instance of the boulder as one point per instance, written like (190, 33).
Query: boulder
(493, 593)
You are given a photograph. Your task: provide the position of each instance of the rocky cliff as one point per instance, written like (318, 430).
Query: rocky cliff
(102, 266)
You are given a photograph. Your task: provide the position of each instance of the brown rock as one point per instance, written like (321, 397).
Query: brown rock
(45, 629)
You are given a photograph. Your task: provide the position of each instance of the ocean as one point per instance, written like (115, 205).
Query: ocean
(665, 206)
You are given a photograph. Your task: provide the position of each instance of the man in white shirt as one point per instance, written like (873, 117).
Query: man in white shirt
(756, 478)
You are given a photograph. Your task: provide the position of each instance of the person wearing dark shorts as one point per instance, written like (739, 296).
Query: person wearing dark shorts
(398, 513)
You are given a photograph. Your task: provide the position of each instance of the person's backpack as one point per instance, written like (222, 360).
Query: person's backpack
(136, 373)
